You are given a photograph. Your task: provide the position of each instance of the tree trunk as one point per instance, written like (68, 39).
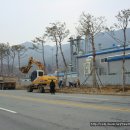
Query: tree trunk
(19, 60)
(8, 63)
(13, 64)
(94, 63)
(123, 62)
(43, 57)
(63, 56)
(1, 65)
(64, 64)
(19, 68)
(57, 66)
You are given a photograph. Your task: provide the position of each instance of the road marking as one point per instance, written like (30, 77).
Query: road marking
(68, 103)
(7, 110)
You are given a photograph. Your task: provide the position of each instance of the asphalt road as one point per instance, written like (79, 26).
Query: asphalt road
(20, 110)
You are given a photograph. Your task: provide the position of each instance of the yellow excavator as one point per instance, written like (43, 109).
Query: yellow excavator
(38, 78)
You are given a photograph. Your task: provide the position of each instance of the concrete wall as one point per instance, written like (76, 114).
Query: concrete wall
(106, 80)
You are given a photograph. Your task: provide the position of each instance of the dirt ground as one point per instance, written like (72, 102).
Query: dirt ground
(107, 90)
(114, 90)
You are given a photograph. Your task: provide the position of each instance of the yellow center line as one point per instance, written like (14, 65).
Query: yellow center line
(68, 103)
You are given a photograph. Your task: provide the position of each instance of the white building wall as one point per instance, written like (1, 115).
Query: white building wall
(110, 73)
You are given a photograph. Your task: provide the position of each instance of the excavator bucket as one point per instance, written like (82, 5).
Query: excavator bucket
(25, 69)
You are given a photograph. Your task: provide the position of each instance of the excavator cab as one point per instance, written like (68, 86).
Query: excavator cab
(35, 74)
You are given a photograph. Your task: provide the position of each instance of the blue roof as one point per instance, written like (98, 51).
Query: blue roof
(105, 52)
(117, 58)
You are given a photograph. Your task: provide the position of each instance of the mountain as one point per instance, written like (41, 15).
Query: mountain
(102, 41)
(49, 52)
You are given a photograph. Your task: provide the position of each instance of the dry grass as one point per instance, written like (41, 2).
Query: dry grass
(114, 90)
(90, 90)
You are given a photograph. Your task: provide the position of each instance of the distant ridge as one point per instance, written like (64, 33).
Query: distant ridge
(102, 41)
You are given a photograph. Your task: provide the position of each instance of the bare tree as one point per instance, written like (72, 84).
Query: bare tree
(7, 54)
(2, 55)
(123, 18)
(8, 57)
(13, 55)
(40, 41)
(52, 34)
(20, 51)
(90, 26)
(57, 32)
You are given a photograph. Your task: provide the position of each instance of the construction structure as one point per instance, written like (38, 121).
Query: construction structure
(75, 50)
(108, 66)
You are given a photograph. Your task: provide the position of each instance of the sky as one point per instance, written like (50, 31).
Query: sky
(23, 20)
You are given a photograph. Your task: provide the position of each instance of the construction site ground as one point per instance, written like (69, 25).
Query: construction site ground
(107, 90)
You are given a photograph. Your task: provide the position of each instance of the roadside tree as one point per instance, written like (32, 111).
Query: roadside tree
(91, 26)
(57, 32)
(123, 18)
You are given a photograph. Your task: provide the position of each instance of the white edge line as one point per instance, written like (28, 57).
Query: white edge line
(7, 110)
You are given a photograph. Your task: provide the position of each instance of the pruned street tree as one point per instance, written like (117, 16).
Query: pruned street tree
(90, 27)
(19, 51)
(39, 47)
(8, 57)
(13, 55)
(3, 49)
(123, 18)
(57, 32)
(7, 54)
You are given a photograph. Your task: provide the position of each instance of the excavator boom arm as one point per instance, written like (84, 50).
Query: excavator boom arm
(25, 69)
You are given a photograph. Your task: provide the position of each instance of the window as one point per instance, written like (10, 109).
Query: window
(104, 60)
(87, 68)
(40, 73)
(33, 75)
(112, 73)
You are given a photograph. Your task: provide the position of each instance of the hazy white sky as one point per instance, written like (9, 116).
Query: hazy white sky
(22, 20)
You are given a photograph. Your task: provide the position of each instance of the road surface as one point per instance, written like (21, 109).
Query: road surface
(20, 110)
